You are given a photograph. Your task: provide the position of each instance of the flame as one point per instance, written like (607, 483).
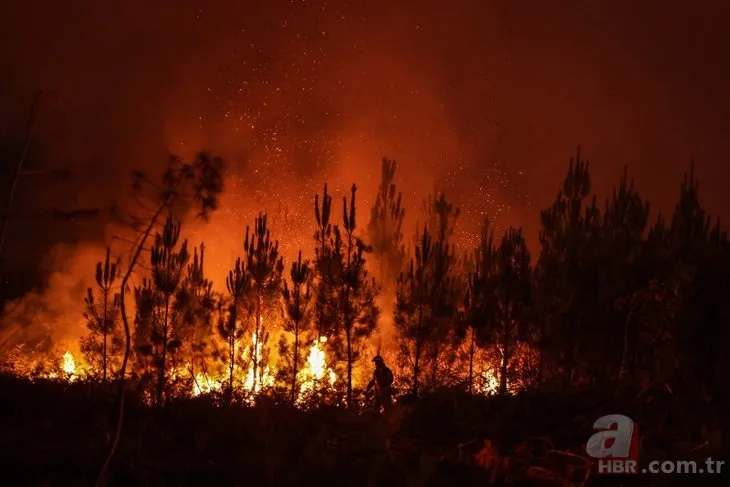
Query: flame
(265, 378)
(490, 383)
(316, 370)
(68, 365)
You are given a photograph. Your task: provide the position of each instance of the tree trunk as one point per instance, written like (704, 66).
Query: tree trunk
(105, 332)
(416, 367)
(231, 360)
(471, 361)
(505, 358)
(349, 366)
(570, 351)
(295, 365)
(541, 350)
(256, 340)
(623, 368)
(128, 334)
(163, 363)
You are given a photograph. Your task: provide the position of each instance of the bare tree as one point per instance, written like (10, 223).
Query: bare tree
(197, 182)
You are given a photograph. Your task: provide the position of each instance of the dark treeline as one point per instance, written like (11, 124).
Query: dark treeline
(617, 313)
(613, 300)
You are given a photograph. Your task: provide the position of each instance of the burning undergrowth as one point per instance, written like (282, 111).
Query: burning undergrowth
(267, 323)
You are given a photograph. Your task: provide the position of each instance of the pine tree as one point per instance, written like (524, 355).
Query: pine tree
(356, 294)
(624, 222)
(512, 285)
(480, 300)
(103, 346)
(702, 249)
(442, 216)
(198, 182)
(264, 268)
(567, 260)
(385, 232)
(232, 321)
(414, 321)
(196, 304)
(158, 329)
(297, 313)
(326, 267)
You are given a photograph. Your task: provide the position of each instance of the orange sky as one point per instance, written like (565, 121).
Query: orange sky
(484, 99)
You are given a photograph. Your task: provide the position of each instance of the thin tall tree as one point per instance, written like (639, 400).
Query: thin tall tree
(264, 267)
(480, 299)
(232, 322)
(356, 296)
(513, 290)
(297, 313)
(103, 346)
(413, 313)
(198, 182)
(158, 328)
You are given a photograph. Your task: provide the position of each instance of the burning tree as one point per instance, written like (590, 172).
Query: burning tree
(196, 304)
(232, 321)
(414, 318)
(386, 221)
(479, 302)
(326, 266)
(158, 328)
(297, 314)
(264, 268)
(102, 348)
(356, 310)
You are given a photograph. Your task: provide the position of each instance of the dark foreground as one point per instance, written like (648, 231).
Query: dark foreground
(58, 434)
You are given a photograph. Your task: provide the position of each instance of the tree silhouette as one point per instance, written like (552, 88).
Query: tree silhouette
(385, 232)
(702, 249)
(264, 268)
(232, 322)
(326, 267)
(624, 223)
(196, 304)
(103, 346)
(356, 294)
(183, 184)
(512, 290)
(414, 321)
(480, 300)
(297, 314)
(566, 264)
(442, 215)
(158, 328)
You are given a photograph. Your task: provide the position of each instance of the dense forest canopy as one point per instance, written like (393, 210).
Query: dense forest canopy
(612, 298)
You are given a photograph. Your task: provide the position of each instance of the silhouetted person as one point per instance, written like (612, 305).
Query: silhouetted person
(383, 383)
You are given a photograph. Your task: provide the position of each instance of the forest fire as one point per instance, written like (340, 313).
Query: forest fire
(303, 331)
(69, 366)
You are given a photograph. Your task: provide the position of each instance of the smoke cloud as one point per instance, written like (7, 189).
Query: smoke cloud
(484, 100)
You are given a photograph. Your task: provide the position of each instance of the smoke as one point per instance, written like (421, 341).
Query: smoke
(53, 316)
(485, 100)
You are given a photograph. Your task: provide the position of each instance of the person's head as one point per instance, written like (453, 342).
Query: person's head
(378, 361)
